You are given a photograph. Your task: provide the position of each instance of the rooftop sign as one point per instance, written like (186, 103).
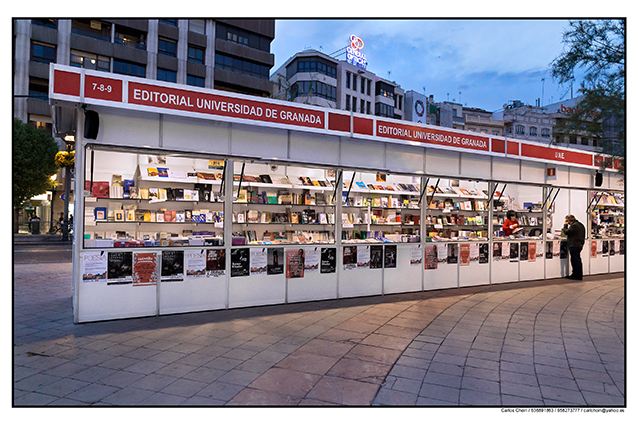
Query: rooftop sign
(353, 52)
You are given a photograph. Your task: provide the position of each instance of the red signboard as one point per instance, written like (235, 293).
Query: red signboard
(102, 88)
(560, 155)
(66, 83)
(429, 136)
(206, 103)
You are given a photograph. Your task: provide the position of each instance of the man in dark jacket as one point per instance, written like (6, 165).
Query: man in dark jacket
(575, 232)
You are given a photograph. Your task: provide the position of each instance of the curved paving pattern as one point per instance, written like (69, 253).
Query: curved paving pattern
(541, 343)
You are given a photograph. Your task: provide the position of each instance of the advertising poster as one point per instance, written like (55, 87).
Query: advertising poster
(621, 247)
(612, 247)
(505, 251)
(464, 254)
(195, 262)
(275, 261)
(599, 248)
(605, 248)
(215, 262)
(145, 265)
(311, 261)
(390, 257)
(120, 268)
(94, 266)
(349, 257)
(295, 259)
(172, 266)
(363, 257)
(328, 260)
(484, 253)
(431, 257)
(239, 262)
(513, 252)
(497, 251)
(452, 253)
(540, 251)
(474, 252)
(442, 252)
(556, 248)
(592, 248)
(549, 250)
(376, 256)
(532, 252)
(258, 261)
(416, 256)
(524, 251)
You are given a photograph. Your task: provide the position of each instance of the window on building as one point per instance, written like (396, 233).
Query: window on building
(167, 47)
(193, 80)
(584, 141)
(369, 82)
(90, 61)
(383, 110)
(91, 28)
(400, 102)
(242, 66)
(520, 129)
(197, 25)
(38, 89)
(195, 54)
(363, 106)
(243, 37)
(385, 90)
(347, 102)
(41, 52)
(545, 132)
(129, 68)
(367, 107)
(315, 65)
(130, 37)
(354, 104)
(348, 80)
(166, 75)
(572, 140)
(314, 88)
(532, 131)
(49, 23)
(594, 142)
(363, 87)
(354, 82)
(171, 22)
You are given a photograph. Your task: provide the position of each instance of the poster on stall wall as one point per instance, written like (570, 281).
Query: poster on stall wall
(599, 248)
(505, 251)
(532, 252)
(612, 248)
(540, 249)
(442, 253)
(239, 262)
(390, 257)
(474, 252)
(416, 255)
(605, 248)
(145, 265)
(328, 260)
(120, 268)
(311, 261)
(215, 262)
(498, 246)
(376, 257)
(363, 257)
(94, 266)
(484, 253)
(349, 257)
(275, 261)
(549, 250)
(464, 254)
(195, 262)
(592, 248)
(513, 252)
(556, 248)
(452, 253)
(621, 247)
(524, 251)
(431, 257)
(258, 261)
(172, 266)
(295, 259)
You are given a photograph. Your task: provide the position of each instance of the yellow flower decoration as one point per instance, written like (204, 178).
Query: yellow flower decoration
(65, 159)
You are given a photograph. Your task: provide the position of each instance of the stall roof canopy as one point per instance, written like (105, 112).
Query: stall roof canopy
(86, 87)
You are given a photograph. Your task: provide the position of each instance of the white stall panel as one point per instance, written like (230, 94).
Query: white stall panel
(314, 285)
(441, 162)
(474, 274)
(263, 142)
(444, 275)
(534, 267)
(581, 178)
(556, 266)
(358, 281)
(404, 159)
(193, 294)
(314, 148)
(616, 261)
(408, 274)
(506, 169)
(504, 269)
(475, 166)
(247, 291)
(533, 172)
(601, 262)
(121, 130)
(356, 153)
(195, 135)
(100, 301)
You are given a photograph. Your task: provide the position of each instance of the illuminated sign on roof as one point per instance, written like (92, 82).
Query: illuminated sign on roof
(353, 52)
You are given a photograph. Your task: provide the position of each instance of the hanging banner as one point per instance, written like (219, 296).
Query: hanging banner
(484, 253)
(145, 265)
(474, 252)
(215, 262)
(442, 252)
(513, 252)
(524, 251)
(532, 252)
(505, 251)
(464, 254)
(94, 266)
(497, 251)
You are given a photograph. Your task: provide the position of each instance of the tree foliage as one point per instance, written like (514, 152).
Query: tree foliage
(33, 162)
(595, 49)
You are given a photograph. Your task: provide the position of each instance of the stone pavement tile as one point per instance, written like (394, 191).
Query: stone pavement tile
(387, 397)
(413, 362)
(453, 351)
(343, 391)
(557, 381)
(204, 374)
(398, 331)
(343, 335)
(223, 363)
(240, 354)
(220, 391)
(599, 387)
(45, 363)
(286, 381)
(450, 359)
(282, 347)
(162, 399)
(591, 375)
(327, 348)
(479, 398)
(598, 399)
(254, 397)
(562, 395)
(511, 400)
(358, 326)
(162, 344)
(445, 368)
(406, 385)
(67, 402)
(517, 358)
(168, 356)
(187, 348)
(63, 387)
(21, 372)
(121, 379)
(118, 362)
(521, 390)
(34, 399)
(551, 361)
(129, 396)
(239, 377)
(304, 361)
(596, 366)
(365, 371)
(257, 366)
(481, 373)
(439, 392)
(386, 341)
(176, 370)
(424, 401)
(145, 367)
(141, 353)
(270, 356)
(35, 382)
(92, 393)
(518, 367)
(419, 353)
(154, 382)
(374, 354)
(442, 379)
(194, 359)
(518, 378)
(405, 321)
(184, 387)
(202, 401)
(409, 372)
(482, 385)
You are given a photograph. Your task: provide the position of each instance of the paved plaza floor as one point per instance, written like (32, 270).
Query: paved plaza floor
(543, 343)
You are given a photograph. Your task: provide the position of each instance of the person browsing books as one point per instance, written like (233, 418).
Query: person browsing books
(575, 232)
(510, 224)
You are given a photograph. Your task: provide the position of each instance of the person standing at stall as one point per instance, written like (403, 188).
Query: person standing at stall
(575, 232)
(510, 224)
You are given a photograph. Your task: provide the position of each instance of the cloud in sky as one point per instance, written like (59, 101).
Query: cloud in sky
(490, 62)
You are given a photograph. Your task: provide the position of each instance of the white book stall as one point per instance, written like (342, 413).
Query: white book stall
(196, 199)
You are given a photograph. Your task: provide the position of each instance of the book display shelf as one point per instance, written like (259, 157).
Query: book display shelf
(607, 243)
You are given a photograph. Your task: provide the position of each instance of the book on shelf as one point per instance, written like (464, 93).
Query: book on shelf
(100, 213)
(265, 178)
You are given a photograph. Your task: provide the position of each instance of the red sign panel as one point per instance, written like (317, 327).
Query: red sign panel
(542, 152)
(430, 136)
(206, 103)
(102, 88)
(66, 83)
